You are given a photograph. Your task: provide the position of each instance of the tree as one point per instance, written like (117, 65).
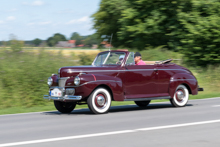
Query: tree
(138, 23)
(16, 45)
(52, 41)
(77, 37)
(189, 26)
(92, 39)
(200, 35)
(106, 20)
(37, 41)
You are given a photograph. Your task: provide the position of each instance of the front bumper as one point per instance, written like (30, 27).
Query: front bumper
(64, 98)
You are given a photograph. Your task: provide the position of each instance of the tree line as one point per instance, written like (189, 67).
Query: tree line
(85, 40)
(191, 27)
(88, 40)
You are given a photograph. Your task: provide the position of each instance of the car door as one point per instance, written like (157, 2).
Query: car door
(164, 74)
(140, 81)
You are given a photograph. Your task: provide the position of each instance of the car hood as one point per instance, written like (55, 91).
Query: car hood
(70, 71)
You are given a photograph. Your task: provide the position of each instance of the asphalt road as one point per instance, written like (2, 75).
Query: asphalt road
(160, 124)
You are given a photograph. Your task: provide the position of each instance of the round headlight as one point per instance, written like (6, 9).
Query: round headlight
(77, 81)
(50, 81)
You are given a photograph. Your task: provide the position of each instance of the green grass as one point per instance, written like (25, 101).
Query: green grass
(50, 106)
(24, 76)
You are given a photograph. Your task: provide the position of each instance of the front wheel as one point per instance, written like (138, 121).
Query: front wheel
(181, 96)
(142, 103)
(99, 101)
(64, 107)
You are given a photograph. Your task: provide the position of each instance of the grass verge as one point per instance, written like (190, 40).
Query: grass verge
(50, 106)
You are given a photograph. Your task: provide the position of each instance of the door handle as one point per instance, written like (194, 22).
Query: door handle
(155, 69)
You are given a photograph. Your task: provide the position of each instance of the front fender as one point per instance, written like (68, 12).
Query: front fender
(91, 81)
(186, 79)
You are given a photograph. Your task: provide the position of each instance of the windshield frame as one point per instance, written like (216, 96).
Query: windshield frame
(133, 63)
(109, 53)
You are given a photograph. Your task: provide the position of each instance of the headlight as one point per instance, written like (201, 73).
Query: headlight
(50, 81)
(77, 81)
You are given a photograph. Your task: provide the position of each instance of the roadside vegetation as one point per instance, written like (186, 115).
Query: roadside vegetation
(184, 30)
(24, 76)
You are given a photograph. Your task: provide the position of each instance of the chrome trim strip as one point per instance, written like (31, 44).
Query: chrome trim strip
(121, 70)
(96, 58)
(150, 98)
(107, 57)
(125, 63)
(66, 97)
(182, 80)
(64, 78)
(95, 81)
(61, 88)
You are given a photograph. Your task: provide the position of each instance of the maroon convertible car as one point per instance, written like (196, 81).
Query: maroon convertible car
(113, 76)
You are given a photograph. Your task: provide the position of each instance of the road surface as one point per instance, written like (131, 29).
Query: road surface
(160, 124)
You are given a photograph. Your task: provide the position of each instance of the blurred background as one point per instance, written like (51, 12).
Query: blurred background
(40, 36)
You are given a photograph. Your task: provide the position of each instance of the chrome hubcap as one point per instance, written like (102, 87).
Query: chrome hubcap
(180, 95)
(101, 101)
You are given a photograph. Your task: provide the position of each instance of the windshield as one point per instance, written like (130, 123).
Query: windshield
(109, 58)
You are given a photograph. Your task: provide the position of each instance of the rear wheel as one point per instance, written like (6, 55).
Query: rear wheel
(181, 96)
(142, 103)
(64, 107)
(99, 101)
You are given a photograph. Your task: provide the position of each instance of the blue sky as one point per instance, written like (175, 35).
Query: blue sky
(30, 19)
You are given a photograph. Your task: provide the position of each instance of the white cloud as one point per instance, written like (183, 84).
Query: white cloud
(10, 18)
(72, 21)
(82, 19)
(1, 22)
(34, 3)
(39, 23)
(37, 3)
(45, 23)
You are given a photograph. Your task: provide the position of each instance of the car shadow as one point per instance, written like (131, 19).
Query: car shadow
(114, 109)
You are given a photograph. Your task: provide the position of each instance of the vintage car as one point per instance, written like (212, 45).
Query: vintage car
(113, 76)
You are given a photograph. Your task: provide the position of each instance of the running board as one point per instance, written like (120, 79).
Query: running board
(150, 98)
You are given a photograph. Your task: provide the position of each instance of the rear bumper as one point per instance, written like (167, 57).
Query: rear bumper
(200, 89)
(64, 98)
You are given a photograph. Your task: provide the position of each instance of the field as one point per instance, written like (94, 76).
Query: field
(24, 75)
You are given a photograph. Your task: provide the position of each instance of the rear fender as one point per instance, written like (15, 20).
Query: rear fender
(185, 79)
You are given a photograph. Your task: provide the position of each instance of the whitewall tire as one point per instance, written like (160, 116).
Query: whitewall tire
(99, 101)
(181, 96)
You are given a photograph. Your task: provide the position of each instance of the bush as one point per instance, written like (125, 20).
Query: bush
(16, 45)
(86, 59)
(24, 76)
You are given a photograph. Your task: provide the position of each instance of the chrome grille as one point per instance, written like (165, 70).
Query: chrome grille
(70, 91)
(62, 82)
